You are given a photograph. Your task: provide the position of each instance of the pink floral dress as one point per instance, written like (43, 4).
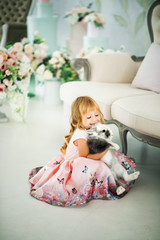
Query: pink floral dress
(74, 180)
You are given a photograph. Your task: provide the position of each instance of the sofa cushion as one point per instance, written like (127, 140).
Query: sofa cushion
(140, 113)
(148, 75)
(113, 67)
(104, 93)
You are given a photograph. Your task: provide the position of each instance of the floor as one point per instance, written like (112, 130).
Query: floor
(24, 146)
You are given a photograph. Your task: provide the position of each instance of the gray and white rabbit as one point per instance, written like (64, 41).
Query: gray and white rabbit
(99, 139)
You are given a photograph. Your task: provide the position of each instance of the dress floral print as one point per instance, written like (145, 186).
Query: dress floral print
(72, 180)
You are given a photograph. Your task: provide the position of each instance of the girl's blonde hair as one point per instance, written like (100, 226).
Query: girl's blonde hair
(78, 108)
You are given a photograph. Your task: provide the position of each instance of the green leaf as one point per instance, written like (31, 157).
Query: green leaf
(145, 3)
(9, 45)
(139, 21)
(141, 3)
(90, 5)
(124, 4)
(1, 75)
(98, 5)
(122, 21)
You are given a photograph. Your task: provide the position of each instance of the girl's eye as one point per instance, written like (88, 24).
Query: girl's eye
(88, 117)
(97, 115)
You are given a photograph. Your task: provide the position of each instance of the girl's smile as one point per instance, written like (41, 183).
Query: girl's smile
(90, 118)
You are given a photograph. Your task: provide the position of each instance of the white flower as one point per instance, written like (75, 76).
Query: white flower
(48, 75)
(40, 69)
(53, 60)
(25, 59)
(28, 48)
(90, 18)
(24, 40)
(36, 34)
(72, 19)
(37, 53)
(24, 66)
(56, 54)
(7, 82)
(122, 47)
(18, 46)
(20, 55)
(61, 60)
(39, 73)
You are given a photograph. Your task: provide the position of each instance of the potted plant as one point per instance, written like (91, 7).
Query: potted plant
(54, 71)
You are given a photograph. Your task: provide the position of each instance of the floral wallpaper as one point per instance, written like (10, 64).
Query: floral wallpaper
(126, 22)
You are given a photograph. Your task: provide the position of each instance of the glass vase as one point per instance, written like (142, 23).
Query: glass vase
(19, 105)
(52, 92)
(32, 86)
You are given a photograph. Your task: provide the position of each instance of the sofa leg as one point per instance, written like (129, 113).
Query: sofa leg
(123, 136)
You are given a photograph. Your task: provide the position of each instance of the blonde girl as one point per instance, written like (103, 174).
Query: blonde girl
(74, 177)
(85, 112)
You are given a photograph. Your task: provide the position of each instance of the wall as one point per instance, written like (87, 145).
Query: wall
(126, 23)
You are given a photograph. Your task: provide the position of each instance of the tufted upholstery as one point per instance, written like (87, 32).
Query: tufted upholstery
(14, 13)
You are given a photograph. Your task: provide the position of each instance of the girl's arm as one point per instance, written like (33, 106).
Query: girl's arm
(84, 150)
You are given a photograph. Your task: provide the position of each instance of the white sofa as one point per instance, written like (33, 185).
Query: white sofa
(109, 80)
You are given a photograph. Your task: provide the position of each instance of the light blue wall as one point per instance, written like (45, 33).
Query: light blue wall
(118, 35)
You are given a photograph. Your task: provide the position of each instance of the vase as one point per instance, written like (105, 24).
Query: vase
(52, 92)
(32, 86)
(92, 30)
(3, 117)
(77, 32)
(18, 102)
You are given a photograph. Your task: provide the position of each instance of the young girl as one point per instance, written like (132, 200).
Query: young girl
(75, 176)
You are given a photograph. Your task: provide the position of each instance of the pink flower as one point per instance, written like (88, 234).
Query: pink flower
(58, 74)
(2, 87)
(3, 57)
(10, 62)
(3, 67)
(12, 55)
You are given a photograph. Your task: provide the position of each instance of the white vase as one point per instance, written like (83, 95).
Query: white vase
(19, 105)
(92, 30)
(77, 32)
(52, 92)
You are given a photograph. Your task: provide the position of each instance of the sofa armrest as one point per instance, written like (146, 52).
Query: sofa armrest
(137, 59)
(79, 64)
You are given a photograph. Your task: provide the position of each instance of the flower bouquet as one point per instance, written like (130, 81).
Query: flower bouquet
(14, 80)
(54, 71)
(95, 18)
(57, 66)
(77, 14)
(35, 52)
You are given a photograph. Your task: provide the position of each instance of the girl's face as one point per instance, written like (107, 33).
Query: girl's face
(90, 118)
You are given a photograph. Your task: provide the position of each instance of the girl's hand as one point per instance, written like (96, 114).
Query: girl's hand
(84, 150)
(97, 156)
